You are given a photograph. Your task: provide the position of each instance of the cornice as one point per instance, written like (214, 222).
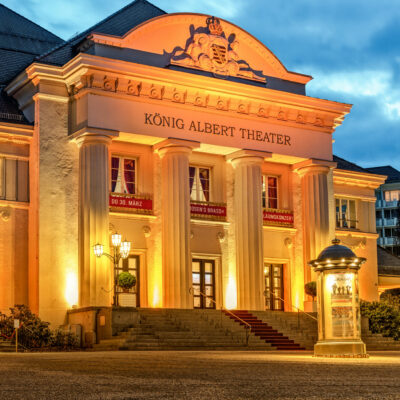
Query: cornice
(14, 133)
(361, 179)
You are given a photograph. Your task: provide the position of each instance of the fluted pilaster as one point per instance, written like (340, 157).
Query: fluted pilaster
(314, 186)
(177, 265)
(94, 273)
(248, 226)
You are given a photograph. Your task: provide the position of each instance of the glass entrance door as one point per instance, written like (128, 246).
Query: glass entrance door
(127, 297)
(273, 279)
(203, 281)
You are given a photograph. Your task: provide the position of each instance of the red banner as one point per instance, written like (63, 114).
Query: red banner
(208, 211)
(278, 217)
(131, 202)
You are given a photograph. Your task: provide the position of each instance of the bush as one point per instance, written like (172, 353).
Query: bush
(383, 318)
(35, 333)
(311, 289)
(126, 280)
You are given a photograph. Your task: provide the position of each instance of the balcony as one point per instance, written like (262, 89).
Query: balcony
(379, 222)
(208, 211)
(390, 222)
(131, 203)
(275, 217)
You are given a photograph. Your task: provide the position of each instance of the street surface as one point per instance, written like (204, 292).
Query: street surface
(197, 375)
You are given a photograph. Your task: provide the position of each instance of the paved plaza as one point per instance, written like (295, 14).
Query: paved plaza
(197, 375)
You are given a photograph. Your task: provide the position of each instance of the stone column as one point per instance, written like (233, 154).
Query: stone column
(95, 283)
(248, 228)
(175, 209)
(315, 198)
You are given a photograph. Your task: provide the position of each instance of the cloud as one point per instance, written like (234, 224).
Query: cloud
(226, 9)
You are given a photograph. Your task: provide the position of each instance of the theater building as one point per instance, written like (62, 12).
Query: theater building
(188, 136)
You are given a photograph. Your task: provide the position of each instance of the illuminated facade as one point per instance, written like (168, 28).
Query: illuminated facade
(189, 137)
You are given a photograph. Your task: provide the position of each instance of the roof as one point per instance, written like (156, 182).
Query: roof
(393, 175)
(388, 264)
(117, 24)
(9, 111)
(349, 166)
(21, 41)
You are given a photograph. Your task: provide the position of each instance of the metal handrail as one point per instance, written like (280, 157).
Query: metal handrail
(292, 305)
(247, 325)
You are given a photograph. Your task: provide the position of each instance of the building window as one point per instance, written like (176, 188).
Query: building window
(199, 183)
(123, 175)
(392, 195)
(346, 213)
(14, 179)
(269, 191)
(378, 214)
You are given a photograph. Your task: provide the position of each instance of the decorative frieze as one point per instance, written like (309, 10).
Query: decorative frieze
(177, 94)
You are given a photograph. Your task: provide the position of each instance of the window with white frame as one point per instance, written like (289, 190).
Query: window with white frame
(346, 213)
(269, 191)
(199, 183)
(123, 175)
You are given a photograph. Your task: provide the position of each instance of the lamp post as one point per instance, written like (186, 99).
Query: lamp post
(120, 249)
(339, 320)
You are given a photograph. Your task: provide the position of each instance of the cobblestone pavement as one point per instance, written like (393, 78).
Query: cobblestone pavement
(197, 375)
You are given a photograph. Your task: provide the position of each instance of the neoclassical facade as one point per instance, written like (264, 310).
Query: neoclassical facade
(186, 135)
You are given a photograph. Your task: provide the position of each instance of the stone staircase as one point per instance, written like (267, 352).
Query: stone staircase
(166, 329)
(6, 346)
(173, 329)
(264, 330)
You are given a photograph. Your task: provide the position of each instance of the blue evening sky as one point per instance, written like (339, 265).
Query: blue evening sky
(350, 47)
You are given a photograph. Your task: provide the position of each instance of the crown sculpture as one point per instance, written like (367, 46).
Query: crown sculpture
(214, 53)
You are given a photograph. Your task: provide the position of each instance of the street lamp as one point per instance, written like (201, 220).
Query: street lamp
(339, 321)
(120, 249)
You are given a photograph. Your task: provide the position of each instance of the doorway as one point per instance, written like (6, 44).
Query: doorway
(273, 280)
(127, 297)
(203, 282)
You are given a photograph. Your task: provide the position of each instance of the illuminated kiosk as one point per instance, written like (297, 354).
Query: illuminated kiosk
(339, 321)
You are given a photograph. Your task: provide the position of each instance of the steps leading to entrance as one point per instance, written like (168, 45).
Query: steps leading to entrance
(166, 329)
(264, 331)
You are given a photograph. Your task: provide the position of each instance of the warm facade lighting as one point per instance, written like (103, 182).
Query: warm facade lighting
(71, 289)
(231, 294)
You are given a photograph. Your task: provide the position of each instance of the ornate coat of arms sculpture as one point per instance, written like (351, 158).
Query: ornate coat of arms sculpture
(208, 49)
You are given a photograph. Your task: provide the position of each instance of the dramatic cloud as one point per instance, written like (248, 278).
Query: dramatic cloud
(350, 47)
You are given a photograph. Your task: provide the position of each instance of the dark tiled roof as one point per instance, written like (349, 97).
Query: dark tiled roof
(388, 264)
(349, 166)
(21, 41)
(393, 175)
(117, 24)
(9, 111)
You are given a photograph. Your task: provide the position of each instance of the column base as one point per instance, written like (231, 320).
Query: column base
(345, 349)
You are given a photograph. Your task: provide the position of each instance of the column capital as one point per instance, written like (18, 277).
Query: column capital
(90, 135)
(173, 145)
(248, 157)
(313, 166)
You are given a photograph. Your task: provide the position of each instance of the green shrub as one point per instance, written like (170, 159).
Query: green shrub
(126, 280)
(35, 333)
(311, 289)
(383, 318)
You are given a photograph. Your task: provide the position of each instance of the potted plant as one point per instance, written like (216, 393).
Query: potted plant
(311, 289)
(126, 280)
